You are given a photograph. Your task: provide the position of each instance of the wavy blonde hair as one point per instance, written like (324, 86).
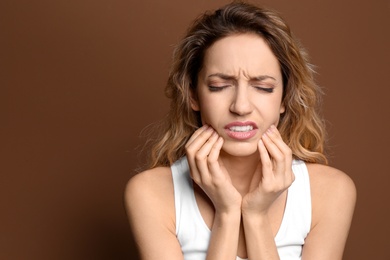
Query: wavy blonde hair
(300, 125)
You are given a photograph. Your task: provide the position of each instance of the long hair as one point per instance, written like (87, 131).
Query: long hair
(300, 125)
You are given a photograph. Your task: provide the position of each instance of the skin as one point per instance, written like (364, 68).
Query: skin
(240, 185)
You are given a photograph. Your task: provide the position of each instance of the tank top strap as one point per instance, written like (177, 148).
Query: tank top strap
(191, 230)
(297, 217)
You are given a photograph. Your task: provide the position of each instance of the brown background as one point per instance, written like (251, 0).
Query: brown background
(80, 79)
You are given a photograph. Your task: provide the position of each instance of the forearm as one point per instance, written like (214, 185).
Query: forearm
(224, 236)
(260, 242)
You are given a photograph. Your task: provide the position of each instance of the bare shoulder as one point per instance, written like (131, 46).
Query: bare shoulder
(151, 192)
(333, 197)
(153, 181)
(327, 180)
(150, 206)
(148, 187)
(333, 191)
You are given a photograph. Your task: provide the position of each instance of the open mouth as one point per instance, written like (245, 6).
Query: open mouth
(241, 128)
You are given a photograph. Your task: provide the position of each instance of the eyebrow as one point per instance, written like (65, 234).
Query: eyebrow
(230, 77)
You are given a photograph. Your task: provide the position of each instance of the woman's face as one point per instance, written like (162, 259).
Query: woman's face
(239, 91)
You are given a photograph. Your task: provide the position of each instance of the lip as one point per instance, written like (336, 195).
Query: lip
(241, 135)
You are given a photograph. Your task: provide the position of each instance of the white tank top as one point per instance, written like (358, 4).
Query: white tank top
(194, 235)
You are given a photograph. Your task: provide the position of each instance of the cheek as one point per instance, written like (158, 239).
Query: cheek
(270, 113)
(210, 114)
(276, 117)
(206, 116)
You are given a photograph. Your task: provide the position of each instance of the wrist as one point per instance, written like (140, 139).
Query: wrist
(251, 211)
(258, 218)
(232, 215)
(230, 209)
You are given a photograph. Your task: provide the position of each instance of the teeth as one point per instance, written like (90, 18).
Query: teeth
(241, 128)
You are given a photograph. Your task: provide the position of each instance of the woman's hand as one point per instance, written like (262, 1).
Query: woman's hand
(273, 174)
(203, 150)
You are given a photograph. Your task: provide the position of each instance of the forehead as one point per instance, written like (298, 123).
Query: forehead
(237, 53)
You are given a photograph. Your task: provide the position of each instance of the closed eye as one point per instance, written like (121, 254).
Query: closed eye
(216, 89)
(268, 90)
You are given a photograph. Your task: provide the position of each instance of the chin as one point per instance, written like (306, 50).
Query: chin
(240, 149)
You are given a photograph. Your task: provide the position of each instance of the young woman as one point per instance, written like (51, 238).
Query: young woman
(239, 170)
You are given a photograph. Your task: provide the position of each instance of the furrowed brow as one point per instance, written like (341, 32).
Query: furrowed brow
(233, 78)
(223, 76)
(262, 77)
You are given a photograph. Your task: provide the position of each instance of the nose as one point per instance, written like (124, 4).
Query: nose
(241, 103)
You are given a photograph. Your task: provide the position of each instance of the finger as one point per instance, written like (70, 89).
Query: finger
(193, 145)
(215, 149)
(266, 162)
(275, 136)
(195, 135)
(277, 156)
(275, 176)
(201, 158)
(194, 172)
(213, 163)
(197, 142)
(205, 146)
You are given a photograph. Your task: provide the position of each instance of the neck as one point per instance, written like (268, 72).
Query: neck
(240, 169)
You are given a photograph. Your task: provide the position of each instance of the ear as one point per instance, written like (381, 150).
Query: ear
(194, 101)
(282, 108)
